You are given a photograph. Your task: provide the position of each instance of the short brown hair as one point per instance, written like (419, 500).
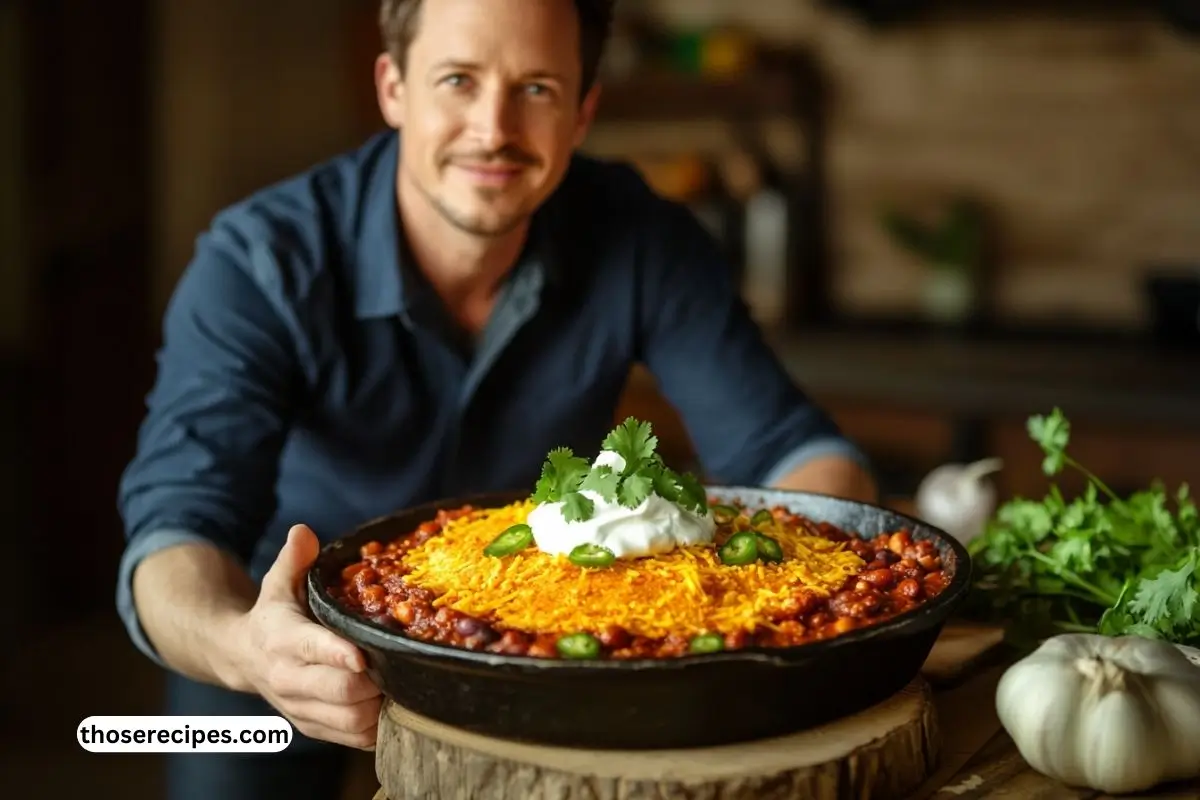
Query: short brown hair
(398, 25)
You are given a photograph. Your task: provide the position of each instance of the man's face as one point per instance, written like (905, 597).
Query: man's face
(489, 106)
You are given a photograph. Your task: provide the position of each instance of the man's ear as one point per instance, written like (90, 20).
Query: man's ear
(389, 90)
(587, 114)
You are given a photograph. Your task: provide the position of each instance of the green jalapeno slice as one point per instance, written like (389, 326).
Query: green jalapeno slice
(592, 556)
(762, 517)
(742, 548)
(707, 643)
(578, 646)
(724, 514)
(768, 549)
(514, 539)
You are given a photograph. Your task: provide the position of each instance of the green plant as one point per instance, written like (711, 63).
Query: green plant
(1097, 563)
(955, 243)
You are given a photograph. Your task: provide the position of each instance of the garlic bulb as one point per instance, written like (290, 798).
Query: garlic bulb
(959, 498)
(1114, 714)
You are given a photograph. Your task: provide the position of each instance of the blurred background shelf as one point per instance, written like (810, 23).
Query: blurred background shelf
(919, 399)
(673, 96)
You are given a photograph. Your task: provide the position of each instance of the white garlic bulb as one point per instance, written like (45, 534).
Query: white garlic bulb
(959, 498)
(1113, 714)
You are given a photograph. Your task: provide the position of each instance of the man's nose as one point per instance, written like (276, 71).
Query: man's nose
(494, 117)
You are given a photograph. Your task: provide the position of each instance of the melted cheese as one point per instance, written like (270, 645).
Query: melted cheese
(685, 592)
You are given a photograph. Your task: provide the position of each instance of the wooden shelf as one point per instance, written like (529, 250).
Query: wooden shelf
(673, 96)
(1130, 383)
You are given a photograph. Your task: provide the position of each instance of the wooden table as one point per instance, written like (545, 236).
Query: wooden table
(978, 760)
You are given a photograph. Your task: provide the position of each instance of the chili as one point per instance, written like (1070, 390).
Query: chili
(762, 517)
(514, 539)
(768, 549)
(741, 549)
(707, 643)
(724, 514)
(578, 645)
(592, 556)
(899, 573)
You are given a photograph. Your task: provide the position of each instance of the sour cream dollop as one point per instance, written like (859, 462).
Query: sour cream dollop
(655, 526)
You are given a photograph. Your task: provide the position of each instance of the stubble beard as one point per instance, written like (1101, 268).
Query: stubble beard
(474, 225)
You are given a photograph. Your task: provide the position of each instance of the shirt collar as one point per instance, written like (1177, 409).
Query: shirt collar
(377, 282)
(385, 281)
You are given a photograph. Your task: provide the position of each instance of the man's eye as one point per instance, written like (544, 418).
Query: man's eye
(456, 80)
(537, 89)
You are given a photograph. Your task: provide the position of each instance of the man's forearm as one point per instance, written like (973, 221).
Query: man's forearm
(833, 475)
(189, 599)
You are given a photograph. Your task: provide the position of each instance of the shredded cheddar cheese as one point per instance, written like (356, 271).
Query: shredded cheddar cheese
(687, 591)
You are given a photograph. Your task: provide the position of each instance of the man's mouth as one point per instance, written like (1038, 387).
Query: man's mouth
(491, 174)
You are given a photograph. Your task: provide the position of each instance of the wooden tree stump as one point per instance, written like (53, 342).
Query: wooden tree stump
(884, 752)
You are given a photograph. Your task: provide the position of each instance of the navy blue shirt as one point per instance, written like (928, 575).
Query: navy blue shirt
(308, 374)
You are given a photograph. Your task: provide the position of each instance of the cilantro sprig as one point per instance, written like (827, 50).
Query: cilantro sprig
(1098, 563)
(566, 476)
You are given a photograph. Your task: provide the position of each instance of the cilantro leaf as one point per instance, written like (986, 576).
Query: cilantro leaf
(1075, 554)
(691, 493)
(544, 490)
(1030, 521)
(634, 442)
(603, 481)
(561, 474)
(1051, 433)
(1187, 516)
(577, 507)
(565, 476)
(1167, 601)
(665, 482)
(634, 490)
(1098, 562)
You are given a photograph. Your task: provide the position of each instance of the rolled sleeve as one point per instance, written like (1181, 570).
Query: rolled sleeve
(138, 549)
(208, 449)
(812, 450)
(751, 424)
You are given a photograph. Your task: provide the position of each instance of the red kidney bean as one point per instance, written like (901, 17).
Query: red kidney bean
(909, 588)
(855, 604)
(615, 637)
(543, 647)
(404, 613)
(879, 578)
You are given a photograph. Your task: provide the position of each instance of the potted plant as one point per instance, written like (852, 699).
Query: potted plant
(952, 250)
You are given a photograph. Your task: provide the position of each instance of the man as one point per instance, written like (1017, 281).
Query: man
(421, 318)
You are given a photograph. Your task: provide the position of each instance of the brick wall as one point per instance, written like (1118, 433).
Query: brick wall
(1082, 133)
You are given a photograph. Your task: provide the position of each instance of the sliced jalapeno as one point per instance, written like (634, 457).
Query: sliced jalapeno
(724, 514)
(742, 548)
(578, 645)
(707, 643)
(762, 517)
(515, 538)
(592, 556)
(768, 549)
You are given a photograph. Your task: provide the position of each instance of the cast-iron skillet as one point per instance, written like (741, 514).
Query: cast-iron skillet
(693, 701)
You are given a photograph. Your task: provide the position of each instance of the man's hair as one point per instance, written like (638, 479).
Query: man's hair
(398, 21)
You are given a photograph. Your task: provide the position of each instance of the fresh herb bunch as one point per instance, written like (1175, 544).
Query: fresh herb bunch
(566, 476)
(1098, 564)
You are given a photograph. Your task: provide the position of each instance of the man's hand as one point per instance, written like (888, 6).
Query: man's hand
(312, 676)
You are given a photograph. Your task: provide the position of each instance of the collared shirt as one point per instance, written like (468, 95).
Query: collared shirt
(308, 374)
